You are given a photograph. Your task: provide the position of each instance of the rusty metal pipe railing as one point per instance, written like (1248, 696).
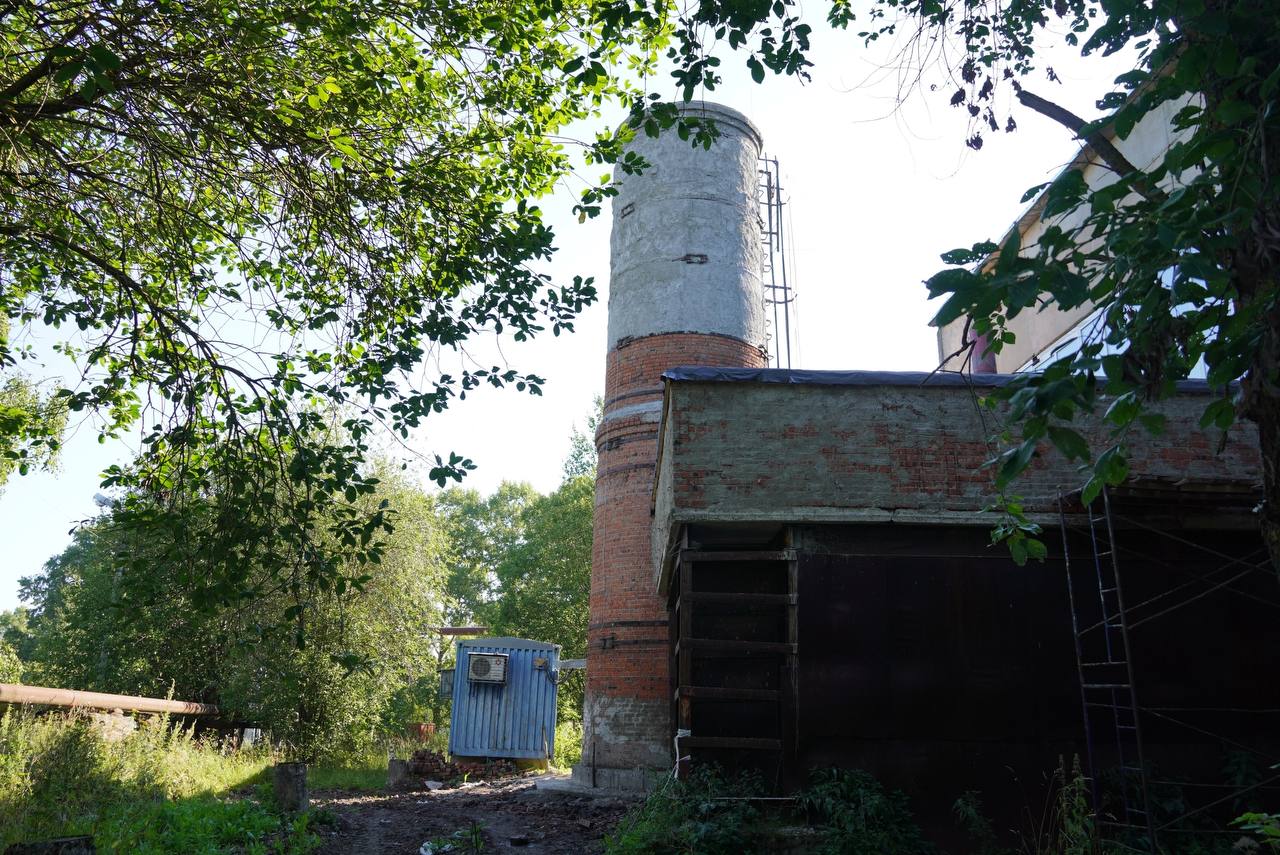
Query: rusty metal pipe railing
(12, 693)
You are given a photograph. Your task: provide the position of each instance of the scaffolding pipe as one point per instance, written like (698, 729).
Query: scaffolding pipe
(12, 693)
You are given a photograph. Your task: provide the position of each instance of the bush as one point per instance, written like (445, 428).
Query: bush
(10, 664)
(861, 815)
(708, 815)
(568, 751)
(699, 814)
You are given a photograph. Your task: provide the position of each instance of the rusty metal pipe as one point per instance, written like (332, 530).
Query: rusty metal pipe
(12, 693)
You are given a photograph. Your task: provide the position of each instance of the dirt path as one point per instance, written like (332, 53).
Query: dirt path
(398, 823)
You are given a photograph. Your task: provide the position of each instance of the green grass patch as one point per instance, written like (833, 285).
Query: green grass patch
(368, 770)
(359, 773)
(158, 790)
(203, 825)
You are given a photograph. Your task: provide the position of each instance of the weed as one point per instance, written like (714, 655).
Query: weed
(708, 815)
(568, 748)
(1065, 823)
(464, 841)
(1265, 825)
(972, 820)
(202, 824)
(704, 814)
(159, 790)
(861, 815)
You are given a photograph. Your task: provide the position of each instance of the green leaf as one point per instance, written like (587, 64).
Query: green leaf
(1015, 461)
(1112, 466)
(104, 58)
(958, 281)
(1232, 112)
(1221, 413)
(1069, 442)
(68, 72)
(1018, 550)
(1124, 409)
(1033, 192)
(1009, 253)
(1091, 490)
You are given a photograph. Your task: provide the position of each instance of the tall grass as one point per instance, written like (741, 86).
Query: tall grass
(60, 777)
(367, 770)
(568, 745)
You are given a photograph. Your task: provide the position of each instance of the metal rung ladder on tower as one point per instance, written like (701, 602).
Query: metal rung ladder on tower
(1108, 697)
(778, 293)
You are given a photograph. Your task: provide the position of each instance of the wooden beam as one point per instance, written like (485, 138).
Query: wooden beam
(739, 598)
(737, 555)
(717, 645)
(741, 742)
(723, 693)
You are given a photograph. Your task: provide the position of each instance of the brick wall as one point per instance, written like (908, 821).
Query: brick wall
(888, 451)
(628, 687)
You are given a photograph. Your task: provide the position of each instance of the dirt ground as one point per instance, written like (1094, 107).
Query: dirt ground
(509, 811)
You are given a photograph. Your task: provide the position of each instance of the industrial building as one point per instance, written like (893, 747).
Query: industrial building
(792, 569)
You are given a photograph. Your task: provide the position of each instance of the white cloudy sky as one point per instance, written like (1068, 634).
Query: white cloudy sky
(875, 193)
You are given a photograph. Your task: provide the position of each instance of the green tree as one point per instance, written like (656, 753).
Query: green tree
(10, 665)
(482, 531)
(582, 445)
(30, 425)
(545, 580)
(1181, 258)
(15, 629)
(116, 613)
(250, 216)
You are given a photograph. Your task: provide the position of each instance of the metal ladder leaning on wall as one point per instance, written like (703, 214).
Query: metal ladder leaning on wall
(1109, 700)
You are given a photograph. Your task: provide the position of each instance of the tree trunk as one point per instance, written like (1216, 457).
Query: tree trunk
(1254, 261)
(1255, 267)
(1262, 407)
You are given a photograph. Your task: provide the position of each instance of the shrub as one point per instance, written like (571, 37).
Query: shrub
(691, 815)
(10, 664)
(861, 815)
(568, 750)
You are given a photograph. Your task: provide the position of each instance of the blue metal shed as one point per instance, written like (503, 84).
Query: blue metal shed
(504, 698)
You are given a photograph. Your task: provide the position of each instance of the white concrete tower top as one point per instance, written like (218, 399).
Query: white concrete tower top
(685, 251)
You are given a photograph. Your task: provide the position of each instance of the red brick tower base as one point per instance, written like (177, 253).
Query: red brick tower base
(628, 707)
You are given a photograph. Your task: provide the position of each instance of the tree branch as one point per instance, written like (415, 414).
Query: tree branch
(1111, 155)
(42, 68)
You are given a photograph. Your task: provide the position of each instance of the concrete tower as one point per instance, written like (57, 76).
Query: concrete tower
(684, 289)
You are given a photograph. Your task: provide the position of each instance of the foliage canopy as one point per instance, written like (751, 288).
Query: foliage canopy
(252, 224)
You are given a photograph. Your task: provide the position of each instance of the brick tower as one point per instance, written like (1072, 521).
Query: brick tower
(684, 289)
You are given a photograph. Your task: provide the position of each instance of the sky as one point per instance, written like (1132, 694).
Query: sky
(875, 191)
